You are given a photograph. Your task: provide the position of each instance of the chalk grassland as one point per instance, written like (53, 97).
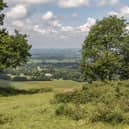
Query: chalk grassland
(35, 111)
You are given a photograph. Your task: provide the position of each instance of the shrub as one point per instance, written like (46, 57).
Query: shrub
(110, 102)
(96, 92)
(5, 77)
(115, 117)
(19, 79)
(60, 110)
(64, 97)
(5, 119)
(108, 114)
(73, 111)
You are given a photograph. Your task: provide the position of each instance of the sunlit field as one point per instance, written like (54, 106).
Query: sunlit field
(36, 111)
(64, 64)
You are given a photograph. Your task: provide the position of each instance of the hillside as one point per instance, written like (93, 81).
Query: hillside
(37, 110)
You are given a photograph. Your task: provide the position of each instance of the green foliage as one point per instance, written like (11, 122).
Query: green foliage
(19, 79)
(5, 77)
(106, 113)
(57, 70)
(73, 111)
(5, 119)
(105, 50)
(40, 76)
(14, 49)
(34, 111)
(105, 102)
(2, 6)
(64, 97)
(96, 92)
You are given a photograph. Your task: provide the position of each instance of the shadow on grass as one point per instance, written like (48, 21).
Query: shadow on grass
(10, 91)
(7, 90)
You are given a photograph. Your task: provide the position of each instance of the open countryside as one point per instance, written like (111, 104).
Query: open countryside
(64, 64)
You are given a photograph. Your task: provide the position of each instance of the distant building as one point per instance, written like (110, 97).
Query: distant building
(39, 69)
(48, 75)
(22, 75)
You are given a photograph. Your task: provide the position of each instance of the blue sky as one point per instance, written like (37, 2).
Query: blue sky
(60, 23)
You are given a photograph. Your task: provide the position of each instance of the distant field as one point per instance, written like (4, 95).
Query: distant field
(36, 112)
(57, 85)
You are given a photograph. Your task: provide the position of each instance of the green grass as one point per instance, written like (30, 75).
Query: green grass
(34, 111)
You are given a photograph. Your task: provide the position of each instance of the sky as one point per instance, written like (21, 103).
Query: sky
(59, 23)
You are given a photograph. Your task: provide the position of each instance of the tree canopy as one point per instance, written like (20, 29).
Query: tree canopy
(105, 52)
(14, 49)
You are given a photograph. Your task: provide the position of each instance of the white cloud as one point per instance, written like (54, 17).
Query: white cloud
(124, 11)
(102, 3)
(48, 16)
(114, 2)
(19, 11)
(65, 3)
(55, 23)
(67, 28)
(28, 2)
(56, 27)
(86, 27)
(18, 24)
(108, 2)
(73, 3)
(38, 29)
(43, 31)
(113, 13)
(36, 1)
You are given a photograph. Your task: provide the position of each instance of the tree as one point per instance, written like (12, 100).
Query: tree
(14, 49)
(105, 52)
(2, 6)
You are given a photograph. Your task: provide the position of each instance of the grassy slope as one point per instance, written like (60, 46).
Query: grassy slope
(36, 112)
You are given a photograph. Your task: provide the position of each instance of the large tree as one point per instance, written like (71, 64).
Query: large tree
(14, 49)
(105, 52)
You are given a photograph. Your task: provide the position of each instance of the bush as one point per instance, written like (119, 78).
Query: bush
(109, 100)
(4, 119)
(5, 77)
(60, 110)
(73, 111)
(96, 92)
(64, 97)
(19, 79)
(108, 114)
